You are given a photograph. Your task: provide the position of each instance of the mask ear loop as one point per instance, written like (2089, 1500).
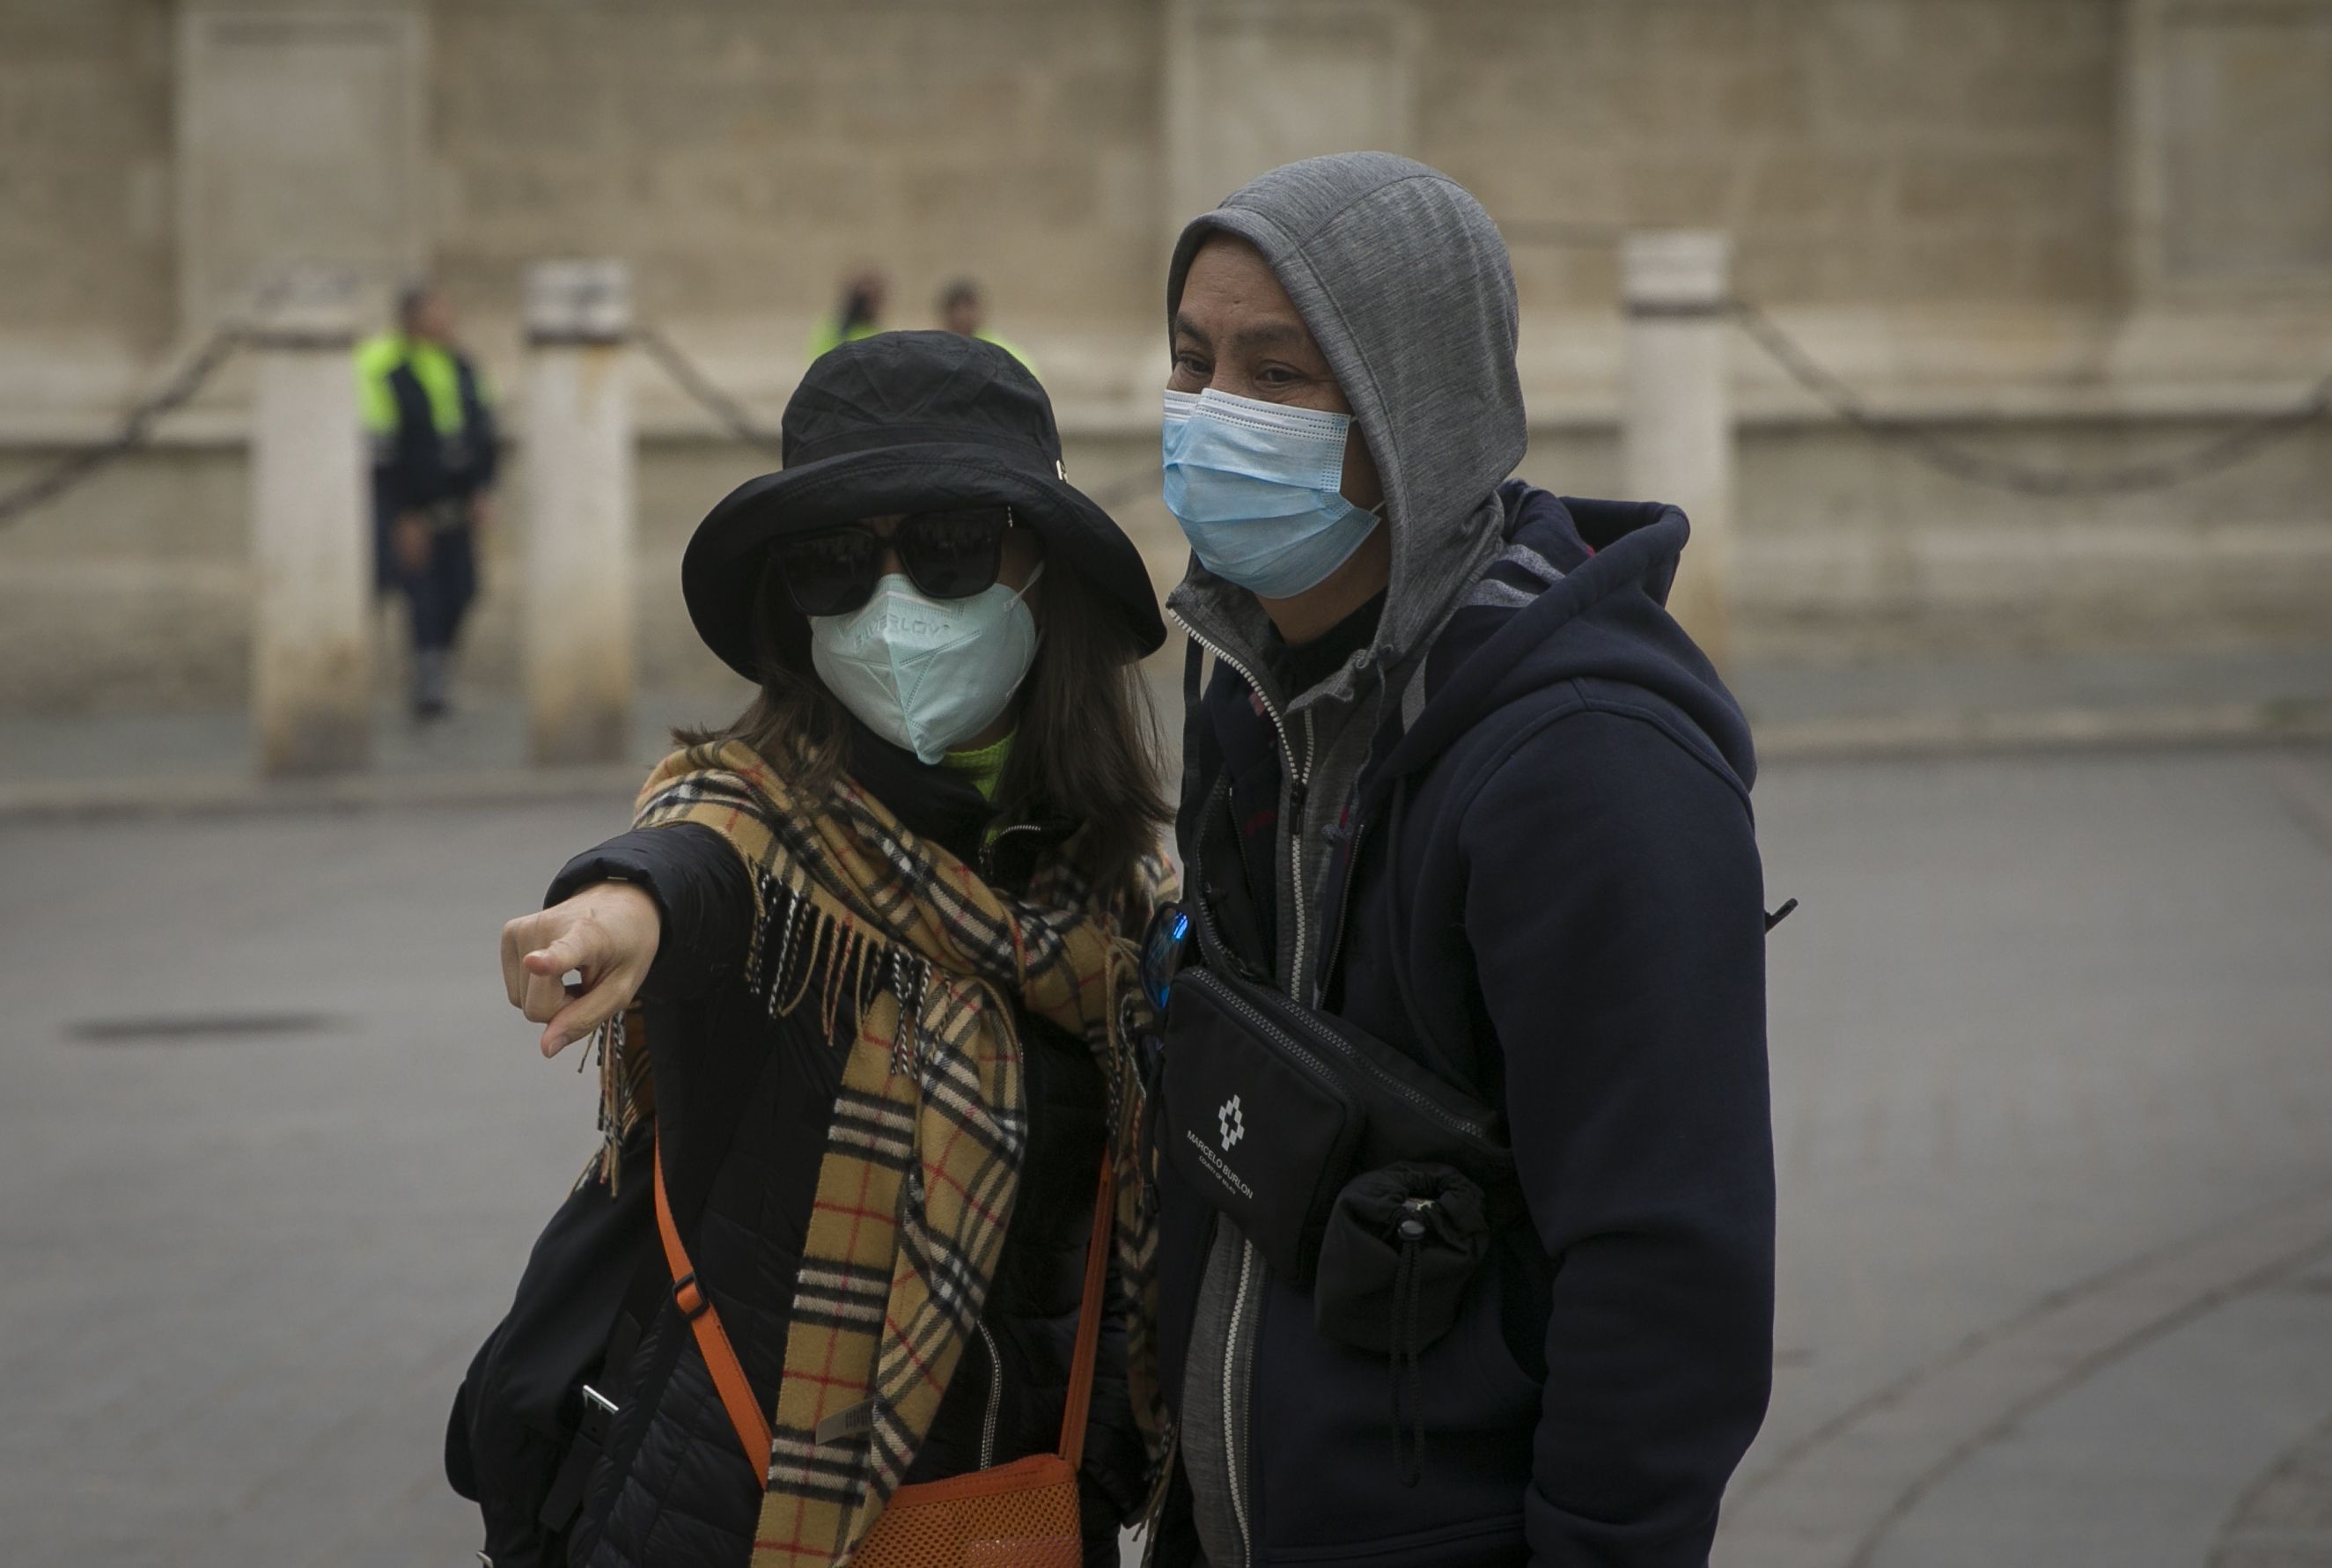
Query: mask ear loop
(1020, 596)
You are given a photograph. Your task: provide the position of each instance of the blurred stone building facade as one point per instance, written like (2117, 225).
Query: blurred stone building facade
(2072, 232)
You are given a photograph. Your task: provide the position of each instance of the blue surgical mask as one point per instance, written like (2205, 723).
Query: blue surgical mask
(1256, 489)
(927, 673)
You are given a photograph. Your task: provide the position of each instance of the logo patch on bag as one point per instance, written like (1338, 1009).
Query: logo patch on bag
(1232, 1120)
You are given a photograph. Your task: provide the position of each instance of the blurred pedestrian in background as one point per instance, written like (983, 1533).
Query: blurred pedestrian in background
(964, 312)
(429, 414)
(860, 314)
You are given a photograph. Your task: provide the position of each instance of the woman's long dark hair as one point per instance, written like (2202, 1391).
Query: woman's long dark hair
(1086, 745)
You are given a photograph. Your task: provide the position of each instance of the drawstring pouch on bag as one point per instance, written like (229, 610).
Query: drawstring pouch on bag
(1401, 1244)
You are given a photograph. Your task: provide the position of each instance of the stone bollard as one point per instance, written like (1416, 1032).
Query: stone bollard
(1677, 419)
(310, 535)
(579, 639)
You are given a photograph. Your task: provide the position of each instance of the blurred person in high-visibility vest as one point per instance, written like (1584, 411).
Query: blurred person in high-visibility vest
(859, 315)
(429, 414)
(964, 312)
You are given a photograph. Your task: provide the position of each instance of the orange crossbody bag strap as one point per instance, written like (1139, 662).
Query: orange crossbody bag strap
(1089, 1316)
(712, 1340)
(737, 1393)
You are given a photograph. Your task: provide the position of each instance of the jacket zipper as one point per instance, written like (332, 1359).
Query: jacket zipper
(1299, 786)
(1298, 793)
(1263, 1025)
(1231, 1435)
(995, 1398)
(1287, 750)
(988, 850)
(1234, 1425)
(1299, 781)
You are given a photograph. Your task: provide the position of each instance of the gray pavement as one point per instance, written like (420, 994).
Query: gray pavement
(2052, 1047)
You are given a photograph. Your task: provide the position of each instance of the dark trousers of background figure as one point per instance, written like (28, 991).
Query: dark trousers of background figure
(438, 597)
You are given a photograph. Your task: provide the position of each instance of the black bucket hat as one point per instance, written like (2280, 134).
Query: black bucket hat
(908, 422)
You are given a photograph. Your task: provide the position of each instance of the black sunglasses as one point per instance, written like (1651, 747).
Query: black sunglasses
(948, 555)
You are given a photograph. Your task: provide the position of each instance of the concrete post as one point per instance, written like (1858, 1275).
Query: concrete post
(1677, 417)
(579, 653)
(311, 537)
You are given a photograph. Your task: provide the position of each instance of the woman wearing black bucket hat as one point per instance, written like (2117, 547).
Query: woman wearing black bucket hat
(861, 979)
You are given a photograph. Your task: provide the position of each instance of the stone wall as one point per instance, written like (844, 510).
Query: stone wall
(1903, 153)
(85, 143)
(2082, 230)
(740, 157)
(1861, 151)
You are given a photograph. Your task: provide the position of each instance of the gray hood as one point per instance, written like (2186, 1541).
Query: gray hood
(1405, 284)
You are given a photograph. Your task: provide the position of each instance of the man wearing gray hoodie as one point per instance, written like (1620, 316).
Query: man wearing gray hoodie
(1464, 785)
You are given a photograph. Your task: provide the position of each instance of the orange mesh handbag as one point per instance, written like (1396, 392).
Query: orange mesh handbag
(1023, 1514)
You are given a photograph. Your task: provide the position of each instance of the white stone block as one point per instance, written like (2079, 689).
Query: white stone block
(581, 528)
(310, 540)
(1677, 425)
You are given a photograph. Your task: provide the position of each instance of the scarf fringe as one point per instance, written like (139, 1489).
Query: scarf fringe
(626, 1093)
(859, 966)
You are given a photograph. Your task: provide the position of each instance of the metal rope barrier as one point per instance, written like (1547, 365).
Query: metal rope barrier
(693, 381)
(1939, 453)
(2215, 455)
(1947, 457)
(137, 429)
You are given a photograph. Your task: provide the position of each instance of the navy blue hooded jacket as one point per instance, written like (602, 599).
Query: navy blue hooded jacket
(1548, 895)
(1511, 836)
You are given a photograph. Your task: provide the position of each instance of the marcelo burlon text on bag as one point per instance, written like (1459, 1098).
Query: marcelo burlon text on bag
(1232, 1123)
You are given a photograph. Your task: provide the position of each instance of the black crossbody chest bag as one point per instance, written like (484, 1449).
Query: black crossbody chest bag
(1272, 1108)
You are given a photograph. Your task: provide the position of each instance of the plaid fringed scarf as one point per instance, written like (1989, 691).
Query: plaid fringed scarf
(913, 964)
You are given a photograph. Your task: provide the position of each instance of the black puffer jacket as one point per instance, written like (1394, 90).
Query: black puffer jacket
(744, 1127)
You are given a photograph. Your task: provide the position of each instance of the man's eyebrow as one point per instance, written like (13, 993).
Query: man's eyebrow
(1264, 335)
(1270, 334)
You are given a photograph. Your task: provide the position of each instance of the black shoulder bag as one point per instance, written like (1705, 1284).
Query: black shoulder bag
(534, 1413)
(1355, 1172)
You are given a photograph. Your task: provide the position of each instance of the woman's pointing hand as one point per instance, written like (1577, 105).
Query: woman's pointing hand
(607, 933)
